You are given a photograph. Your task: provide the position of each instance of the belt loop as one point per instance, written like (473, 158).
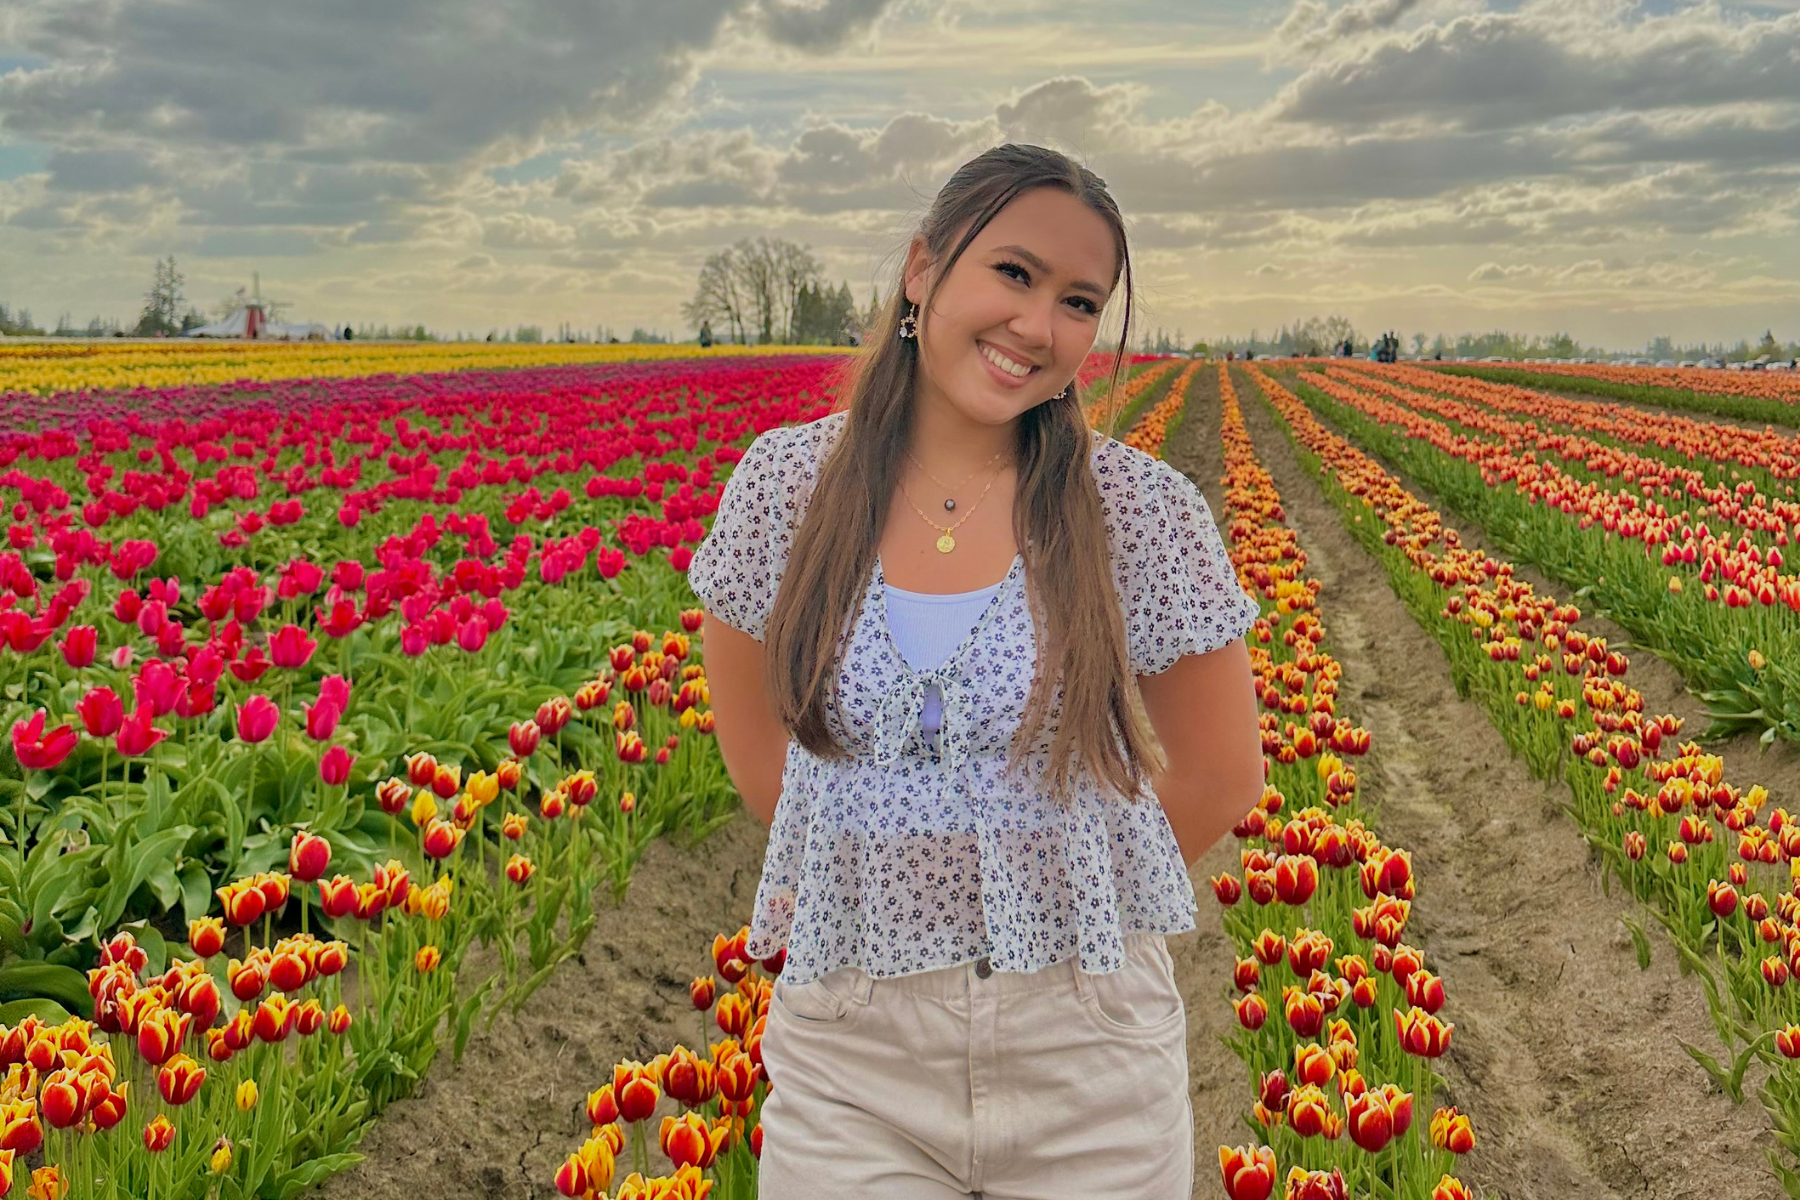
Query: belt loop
(1082, 984)
(864, 986)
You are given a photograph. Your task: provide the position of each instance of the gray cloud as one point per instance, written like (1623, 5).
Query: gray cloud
(326, 101)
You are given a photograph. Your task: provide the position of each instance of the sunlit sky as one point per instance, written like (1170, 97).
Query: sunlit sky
(1612, 169)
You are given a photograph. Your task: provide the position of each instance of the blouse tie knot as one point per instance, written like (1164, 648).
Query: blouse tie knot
(902, 707)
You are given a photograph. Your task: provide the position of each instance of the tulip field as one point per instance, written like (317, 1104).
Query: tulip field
(348, 687)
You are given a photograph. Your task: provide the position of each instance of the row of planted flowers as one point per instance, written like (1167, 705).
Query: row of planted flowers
(1703, 853)
(1338, 1015)
(192, 1070)
(1768, 460)
(1721, 610)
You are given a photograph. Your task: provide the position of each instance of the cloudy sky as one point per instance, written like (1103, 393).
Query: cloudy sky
(1615, 169)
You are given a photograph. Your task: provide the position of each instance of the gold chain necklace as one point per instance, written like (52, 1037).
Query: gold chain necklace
(950, 502)
(946, 543)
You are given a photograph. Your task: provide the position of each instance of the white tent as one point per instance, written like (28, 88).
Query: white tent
(250, 321)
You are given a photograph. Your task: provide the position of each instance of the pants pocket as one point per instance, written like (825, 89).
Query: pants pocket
(1141, 999)
(826, 1000)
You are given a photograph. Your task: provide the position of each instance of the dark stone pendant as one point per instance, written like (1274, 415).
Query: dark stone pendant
(950, 506)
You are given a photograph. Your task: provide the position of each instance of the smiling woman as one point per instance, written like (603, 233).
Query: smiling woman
(991, 721)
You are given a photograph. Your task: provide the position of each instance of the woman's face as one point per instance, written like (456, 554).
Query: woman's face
(1018, 312)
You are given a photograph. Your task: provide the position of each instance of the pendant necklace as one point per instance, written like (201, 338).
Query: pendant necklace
(950, 503)
(946, 542)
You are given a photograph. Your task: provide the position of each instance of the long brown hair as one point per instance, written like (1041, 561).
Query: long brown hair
(1057, 516)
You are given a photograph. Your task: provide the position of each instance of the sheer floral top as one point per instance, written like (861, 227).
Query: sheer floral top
(903, 857)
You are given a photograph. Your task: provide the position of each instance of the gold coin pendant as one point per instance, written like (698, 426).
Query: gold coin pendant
(946, 544)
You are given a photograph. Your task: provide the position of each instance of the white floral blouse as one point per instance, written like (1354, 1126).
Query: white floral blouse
(900, 859)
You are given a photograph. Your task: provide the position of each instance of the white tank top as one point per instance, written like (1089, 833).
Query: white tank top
(927, 628)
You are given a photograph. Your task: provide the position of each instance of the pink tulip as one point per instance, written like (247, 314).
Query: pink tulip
(257, 717)
(290, 647)
(158, 686)
(473, 635)
(335, 689)
(321, 720)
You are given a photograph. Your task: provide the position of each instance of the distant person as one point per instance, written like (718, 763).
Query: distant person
(349, 334)
(976, 996)
(706, 335)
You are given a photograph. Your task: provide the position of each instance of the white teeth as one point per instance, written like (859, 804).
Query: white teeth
(1017, 370)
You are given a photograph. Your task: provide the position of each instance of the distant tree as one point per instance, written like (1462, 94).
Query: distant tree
(753, 288)
(1769, 346)
(823, 314)
(162, 303)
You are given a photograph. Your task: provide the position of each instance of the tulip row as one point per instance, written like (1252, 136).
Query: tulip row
(252, 1020)
(48, 368)
(1753, 395)
(1721, 612)
(1151, 430)
(1112, 407)
(1747, 461)
(1330, 1067)
(1699, 851)
(710, 1134)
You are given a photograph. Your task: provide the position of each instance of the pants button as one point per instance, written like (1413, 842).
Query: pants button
(983, 968)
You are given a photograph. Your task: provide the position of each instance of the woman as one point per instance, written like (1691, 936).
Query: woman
(930, 619)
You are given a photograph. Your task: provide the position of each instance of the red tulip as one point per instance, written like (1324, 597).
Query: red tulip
(334, 766)
(136, 735)
(524, 737)
(38, 751)
(101, 712)
(79, 646)
(308, 856)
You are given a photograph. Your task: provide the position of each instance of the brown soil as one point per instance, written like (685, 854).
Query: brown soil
(1566, 1055)
(497, 1124)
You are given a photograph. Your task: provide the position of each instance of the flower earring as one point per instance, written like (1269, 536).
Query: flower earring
(909, 324)
(1067, 392)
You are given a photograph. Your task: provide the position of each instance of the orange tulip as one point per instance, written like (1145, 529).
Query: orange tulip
(1451, 1130)
(1310, 1114)
(737, 1077)
(1252, 1011)
(179, 1080)
(571, 1177)
(1421, 1033)
(1451, 1188)
(158, 1135)
(206, 936)
(689, 1141)
(274, 1019)
(1313, 1064)
(701, 991)
(636, 1091)
(242, 901)
(1370, 1120)
(689, 1078)
(338, 1020)
(427, 959)
(160, 1035)
(19, 1128)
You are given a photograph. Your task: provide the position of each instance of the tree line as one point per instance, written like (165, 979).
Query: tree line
(768, 290)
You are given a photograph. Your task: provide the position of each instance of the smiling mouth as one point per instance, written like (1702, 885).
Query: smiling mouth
(1004, 362)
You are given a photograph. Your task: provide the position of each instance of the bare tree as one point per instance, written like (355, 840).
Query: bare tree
(718, 296)
(754, 289)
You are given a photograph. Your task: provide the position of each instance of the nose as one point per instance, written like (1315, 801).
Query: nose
(1033, 325)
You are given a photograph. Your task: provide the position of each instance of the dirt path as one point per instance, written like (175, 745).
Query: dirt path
(1218, 1083)
(1566, 1054)
(496, 1125)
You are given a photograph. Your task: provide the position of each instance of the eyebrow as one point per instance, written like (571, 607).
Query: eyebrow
(1080, 285)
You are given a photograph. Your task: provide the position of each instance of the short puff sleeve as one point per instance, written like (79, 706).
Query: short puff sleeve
(1179, 592)
(736, 569)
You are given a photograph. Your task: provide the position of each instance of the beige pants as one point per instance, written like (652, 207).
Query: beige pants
(969, 1081)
